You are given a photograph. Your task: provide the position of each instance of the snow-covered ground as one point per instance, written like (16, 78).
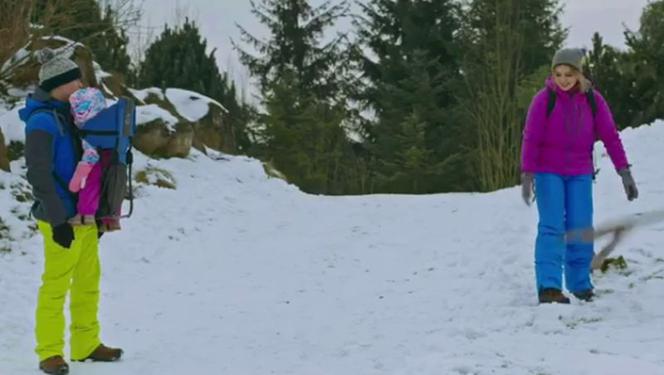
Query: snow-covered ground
(235, 273)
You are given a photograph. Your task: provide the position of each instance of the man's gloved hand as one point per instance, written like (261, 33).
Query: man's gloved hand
(63, 234)
(628, 183)
(527, 187)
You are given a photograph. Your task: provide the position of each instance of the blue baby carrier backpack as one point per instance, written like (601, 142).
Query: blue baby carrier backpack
(111, 132)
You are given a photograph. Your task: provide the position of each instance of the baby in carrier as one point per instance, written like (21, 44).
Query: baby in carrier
(86, 103)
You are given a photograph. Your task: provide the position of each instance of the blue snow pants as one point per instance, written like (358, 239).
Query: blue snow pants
(564, 203)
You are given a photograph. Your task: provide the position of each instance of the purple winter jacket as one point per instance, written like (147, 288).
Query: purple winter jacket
(563, 142)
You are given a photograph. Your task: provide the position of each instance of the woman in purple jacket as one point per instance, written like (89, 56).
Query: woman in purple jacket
(561, 128)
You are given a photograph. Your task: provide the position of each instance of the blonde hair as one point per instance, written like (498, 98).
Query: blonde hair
(584, 83)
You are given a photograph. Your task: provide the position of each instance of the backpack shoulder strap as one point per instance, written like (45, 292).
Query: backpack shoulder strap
(590, 94)
(551, 103)
(56, 117)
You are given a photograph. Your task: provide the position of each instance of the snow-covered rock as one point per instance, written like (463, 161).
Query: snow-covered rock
(191, 105)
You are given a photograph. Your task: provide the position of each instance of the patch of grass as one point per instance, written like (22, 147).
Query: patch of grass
(272, 171)
(618, 264)
(4, 229)
(22, 193)
(157, 177)
(15, 150)
(4, 237)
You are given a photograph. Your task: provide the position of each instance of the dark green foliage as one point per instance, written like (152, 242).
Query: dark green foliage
(15, 150)
(295, 47)
(507, 44)
(305, 139)
(409, 55)
(632, 81)
(537, 23)
(646, 63)
(83, 21)
(613, 76)
(303, 85)
(179, 58)
(5, 237)
(73, 19)
(618, 264)
(110, 47)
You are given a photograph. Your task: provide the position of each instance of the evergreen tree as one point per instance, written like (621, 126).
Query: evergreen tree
(414, 165)
(612, 74)
(646, 58)
(303, 91)
(305, 138)
(179, 58)
(295, 46)
(411, 70)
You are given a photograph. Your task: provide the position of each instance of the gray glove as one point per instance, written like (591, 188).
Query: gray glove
(528, 187)
(628, 183)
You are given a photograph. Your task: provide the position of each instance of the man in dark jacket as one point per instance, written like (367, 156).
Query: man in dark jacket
(71, 264)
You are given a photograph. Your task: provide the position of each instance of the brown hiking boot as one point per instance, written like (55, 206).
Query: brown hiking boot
(54, 365)
(552, 295)
(585, 295)
(108, 225)
(103, 354)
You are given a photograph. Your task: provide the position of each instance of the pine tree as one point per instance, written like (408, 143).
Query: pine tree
(612, 73)
(646, 58)
(295, 46)
(305, 139)
(414, 164)
(179, 58)
(411, 69)
(303, 91)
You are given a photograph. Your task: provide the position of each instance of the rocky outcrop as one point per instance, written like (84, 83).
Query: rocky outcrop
(213, 132)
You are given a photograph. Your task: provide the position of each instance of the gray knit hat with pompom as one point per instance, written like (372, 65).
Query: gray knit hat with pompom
(56, 70)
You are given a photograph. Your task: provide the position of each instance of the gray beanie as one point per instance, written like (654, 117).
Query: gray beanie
(569, 56)
(56, 70)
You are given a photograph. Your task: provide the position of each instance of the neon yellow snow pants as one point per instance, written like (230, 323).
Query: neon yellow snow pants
(75, 270)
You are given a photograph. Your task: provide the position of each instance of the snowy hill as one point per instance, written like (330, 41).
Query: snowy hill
(237, 273)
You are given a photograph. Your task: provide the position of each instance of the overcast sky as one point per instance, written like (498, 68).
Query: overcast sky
(217, 19)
